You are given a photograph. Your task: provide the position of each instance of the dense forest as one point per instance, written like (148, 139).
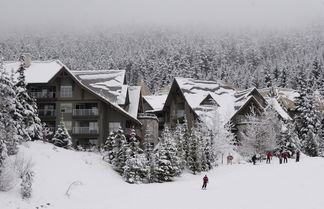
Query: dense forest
(243, 58)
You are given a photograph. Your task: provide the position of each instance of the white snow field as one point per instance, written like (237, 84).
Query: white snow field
(243, 186)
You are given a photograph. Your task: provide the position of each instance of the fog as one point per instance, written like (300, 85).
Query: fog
(32, 14)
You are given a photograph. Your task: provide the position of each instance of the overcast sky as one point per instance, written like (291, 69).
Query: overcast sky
(230, 13)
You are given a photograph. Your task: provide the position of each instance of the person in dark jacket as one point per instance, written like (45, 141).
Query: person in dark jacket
(269, 155)
(297, 156)
(254, 159)
(205, 181)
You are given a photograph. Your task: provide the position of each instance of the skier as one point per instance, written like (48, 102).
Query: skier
(205, 181)
(269, 155)
(254, 159)
(280, 159)
(297, 156)
(285, 157)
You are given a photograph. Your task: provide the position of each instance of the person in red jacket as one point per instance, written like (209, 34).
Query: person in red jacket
(269, 155)
(285, 157)
(205, 181)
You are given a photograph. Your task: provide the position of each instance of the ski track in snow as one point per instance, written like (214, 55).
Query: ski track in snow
(241, 186)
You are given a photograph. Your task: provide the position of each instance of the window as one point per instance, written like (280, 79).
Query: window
(114, 126)
(68, 125)
(66, 107)
(66, 91)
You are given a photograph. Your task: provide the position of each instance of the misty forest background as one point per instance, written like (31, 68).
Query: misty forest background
(155, 55)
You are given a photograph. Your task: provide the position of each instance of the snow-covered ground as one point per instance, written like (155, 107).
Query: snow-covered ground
(244, 186)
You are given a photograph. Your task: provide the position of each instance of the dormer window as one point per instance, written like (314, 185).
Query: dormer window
(209, 101)
(66, 91)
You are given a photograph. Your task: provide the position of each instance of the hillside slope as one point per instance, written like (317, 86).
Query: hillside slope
(244, 186)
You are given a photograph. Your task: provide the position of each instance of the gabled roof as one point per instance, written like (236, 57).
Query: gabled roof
(229, 100)
(96, 82)
(38, 71)
(109, 83)
(156, 102)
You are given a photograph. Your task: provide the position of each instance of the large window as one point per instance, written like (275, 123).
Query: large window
(114, 126)
(66, 91)
(66, 107)
(68, 125)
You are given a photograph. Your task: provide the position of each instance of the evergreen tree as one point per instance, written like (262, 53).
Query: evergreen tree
(267, 79)
(9, 133)
(61, 137)
(120, 147)
(283, 78)
(307, 117)
(27, 108)
(167, 162)
(288, 140)
(136, 166)
(108, 148)
(179, 134)
(194, 157)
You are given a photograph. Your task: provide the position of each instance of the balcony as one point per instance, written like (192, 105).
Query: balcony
(41, 94)
(85, 112)
(46, 113)
(85, 130)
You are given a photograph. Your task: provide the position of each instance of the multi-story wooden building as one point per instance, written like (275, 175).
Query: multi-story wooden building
(91, 103)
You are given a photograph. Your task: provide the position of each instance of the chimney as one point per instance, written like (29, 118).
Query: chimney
(25, 59)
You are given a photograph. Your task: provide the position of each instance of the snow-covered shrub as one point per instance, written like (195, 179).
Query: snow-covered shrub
(26, 184)
(14, 168)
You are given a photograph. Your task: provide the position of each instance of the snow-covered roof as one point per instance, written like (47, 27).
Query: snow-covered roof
(107, 83)
(273, 102)
(195, 91)
(156, 101)
(134, 93)
(38, 71)
(228, 98)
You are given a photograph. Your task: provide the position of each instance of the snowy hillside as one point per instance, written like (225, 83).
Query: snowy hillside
(97, 186)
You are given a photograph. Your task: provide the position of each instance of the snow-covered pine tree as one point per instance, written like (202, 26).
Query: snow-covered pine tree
(307, 119)
(194, 157)
(136, 166)
(267, 78)
(47, 133)
(179, 134)
(120, 146)
(282, 81)
(288, 141)
(62, 137)
(167, 162)
(27, 108)
(9, 132)
(108, 148)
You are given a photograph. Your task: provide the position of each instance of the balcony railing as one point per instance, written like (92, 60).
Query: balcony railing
(46, 113)
(146, 115)
(85, 130)
(85, 112)
(40, 94)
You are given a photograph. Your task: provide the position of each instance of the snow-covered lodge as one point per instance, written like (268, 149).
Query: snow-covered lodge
(95, 103)
(91, 103)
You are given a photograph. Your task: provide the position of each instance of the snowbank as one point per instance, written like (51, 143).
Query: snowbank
(97, 186)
